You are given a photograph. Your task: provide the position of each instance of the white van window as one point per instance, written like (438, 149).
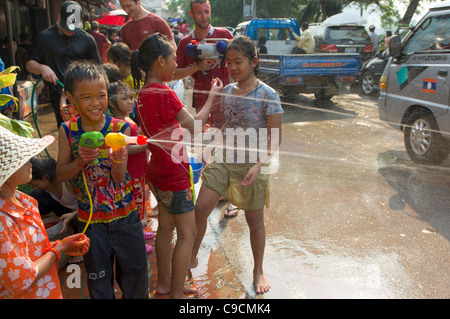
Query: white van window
(433, 34)
(285, 34)
(262, 32)
(273, 33)
(279, 34)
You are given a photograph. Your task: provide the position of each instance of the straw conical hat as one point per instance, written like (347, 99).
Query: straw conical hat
(16, 150)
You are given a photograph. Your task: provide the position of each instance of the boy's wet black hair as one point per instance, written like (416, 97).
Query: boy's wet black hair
(119, 52)
(246, 46)
(43, 165)
(114, 89)
(112, 72)
(82, 70)
(151, 48)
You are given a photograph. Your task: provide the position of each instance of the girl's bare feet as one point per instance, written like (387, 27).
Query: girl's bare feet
(194, 263)
(260, 283)
(189, 289)
(163, 287)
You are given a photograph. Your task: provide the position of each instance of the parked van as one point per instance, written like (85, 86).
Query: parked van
(342, 38)
(276, 31)
(415, 87)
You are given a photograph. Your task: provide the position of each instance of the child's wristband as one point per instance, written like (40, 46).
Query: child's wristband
(56, 242)
(52, 249)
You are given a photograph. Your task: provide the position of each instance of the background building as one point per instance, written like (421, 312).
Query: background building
(33, 16)
(158, 7)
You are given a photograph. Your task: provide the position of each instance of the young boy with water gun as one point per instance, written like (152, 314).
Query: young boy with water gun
(106, 209)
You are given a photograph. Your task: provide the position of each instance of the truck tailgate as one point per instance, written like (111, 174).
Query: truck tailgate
(294, 65)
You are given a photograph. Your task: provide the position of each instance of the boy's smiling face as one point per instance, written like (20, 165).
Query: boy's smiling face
(91, 99)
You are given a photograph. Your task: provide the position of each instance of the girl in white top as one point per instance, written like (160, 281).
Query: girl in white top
(249, 105)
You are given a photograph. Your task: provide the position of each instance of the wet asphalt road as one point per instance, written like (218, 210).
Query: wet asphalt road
(350, 215)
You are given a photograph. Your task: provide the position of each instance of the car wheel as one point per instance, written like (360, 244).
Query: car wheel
(326, 93)
(423, 142)
(288, 93)
(322, 95)
(367, 83)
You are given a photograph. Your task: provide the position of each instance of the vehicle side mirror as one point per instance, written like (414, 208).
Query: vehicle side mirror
(395, 46)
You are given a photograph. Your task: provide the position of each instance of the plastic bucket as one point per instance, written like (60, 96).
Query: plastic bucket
(52, 226)
(196, 168)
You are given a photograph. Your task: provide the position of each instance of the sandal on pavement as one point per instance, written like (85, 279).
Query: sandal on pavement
(75, 260)
(148, 235)
(231, 212)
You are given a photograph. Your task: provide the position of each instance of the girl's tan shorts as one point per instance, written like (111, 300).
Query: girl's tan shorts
(226, 180)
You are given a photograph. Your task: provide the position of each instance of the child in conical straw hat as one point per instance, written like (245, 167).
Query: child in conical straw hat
(28, 259)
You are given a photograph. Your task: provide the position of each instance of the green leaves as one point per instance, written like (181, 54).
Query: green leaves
(5, 98)
(21, 128)
(8, 78)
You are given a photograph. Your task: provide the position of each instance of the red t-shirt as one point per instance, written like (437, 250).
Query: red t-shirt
(203, 81)
(137, 163)
(184, 28)
(157, 109)
(100, 39)
(134, 32)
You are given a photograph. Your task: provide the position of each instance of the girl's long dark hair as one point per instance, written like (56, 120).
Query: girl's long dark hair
(142, 59)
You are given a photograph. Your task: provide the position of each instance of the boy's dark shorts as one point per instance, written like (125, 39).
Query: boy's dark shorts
(176, 202)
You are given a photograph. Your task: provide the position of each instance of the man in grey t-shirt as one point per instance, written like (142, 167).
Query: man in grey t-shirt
(374, 38)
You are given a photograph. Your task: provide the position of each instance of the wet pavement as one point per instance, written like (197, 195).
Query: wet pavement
(350, 215)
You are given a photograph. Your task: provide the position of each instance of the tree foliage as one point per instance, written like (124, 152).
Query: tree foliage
(230, 12)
